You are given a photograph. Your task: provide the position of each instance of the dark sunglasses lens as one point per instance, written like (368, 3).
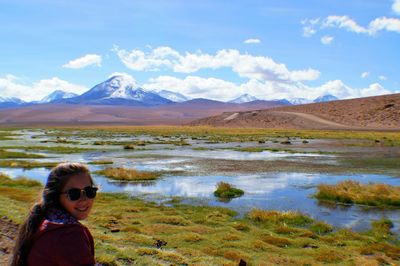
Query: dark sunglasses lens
(90, 192)
(74, 194)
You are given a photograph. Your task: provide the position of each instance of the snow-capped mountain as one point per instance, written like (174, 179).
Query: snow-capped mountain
(118, 90)
(326, 98)
(172, 96)
(296, 101)
(10, 102)
(244, 98)
(57, 95)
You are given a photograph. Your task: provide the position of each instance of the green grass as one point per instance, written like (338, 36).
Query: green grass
(226, 190)
(54, 149)
(350, 192)
(124, 174)
(26, 164)
(227, 134)
(4, 154)
(125, 230)
(101, 162)
(373, 163)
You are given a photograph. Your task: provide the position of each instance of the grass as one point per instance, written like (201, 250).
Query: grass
(126, 229)
(372, 194)
(54, 149)
(4, 154)
(26, 164)
(227, 134)
(123, 174)
(226, 190)
(261, 149)
(101, 162)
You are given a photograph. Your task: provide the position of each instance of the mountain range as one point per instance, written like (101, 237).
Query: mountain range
(121, 90)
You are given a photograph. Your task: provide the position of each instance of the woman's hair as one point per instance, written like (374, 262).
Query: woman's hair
(56, 181)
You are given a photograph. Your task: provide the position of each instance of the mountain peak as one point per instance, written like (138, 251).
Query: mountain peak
(244, 98)
(326, 98)
(57, 95)
(172, 96)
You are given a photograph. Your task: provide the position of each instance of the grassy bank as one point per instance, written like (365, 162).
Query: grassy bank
(124, 174)
(367, 194)
(226, 134)
(126, 230)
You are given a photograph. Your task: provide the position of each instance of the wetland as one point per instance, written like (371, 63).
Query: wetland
(278, 170)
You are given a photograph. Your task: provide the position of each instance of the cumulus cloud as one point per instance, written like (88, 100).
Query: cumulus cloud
(327, 39)
(11, 86)
(217, 89)
(396, 7)
(195, 87)
(382, 77)
(344, 22)
(82, 62)
(252, 41)
(364, 75)
(245, 65)
(127, 78)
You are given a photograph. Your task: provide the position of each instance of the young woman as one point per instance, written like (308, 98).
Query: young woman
(52, 233)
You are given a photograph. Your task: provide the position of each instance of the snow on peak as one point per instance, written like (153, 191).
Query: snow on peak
(244, 98)
(173, 96)
(57, 95)
(296, 101)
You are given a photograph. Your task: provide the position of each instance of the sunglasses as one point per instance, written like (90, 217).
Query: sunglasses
(76, 193)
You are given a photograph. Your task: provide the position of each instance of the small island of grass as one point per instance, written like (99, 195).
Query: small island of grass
(350, 192)
(226, 190)
(123, 174)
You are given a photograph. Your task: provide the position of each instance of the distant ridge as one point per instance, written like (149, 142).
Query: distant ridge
(373, 113)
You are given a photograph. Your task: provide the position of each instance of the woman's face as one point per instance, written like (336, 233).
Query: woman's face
(80, 208)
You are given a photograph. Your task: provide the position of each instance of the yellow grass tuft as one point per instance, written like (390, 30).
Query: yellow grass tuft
(124, 174)
(350, 191)
(289, 217)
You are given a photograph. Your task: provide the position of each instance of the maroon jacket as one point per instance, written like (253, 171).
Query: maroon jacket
(61, 245)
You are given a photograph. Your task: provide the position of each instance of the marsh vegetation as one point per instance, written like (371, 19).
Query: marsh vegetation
(350, 192)
(271, 222)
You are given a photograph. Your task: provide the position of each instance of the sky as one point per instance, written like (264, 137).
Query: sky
(215, 49)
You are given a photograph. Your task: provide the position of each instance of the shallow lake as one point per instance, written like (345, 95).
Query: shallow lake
(270, 190)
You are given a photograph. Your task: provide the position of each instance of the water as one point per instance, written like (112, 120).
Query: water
(269, 191)
(265, 190)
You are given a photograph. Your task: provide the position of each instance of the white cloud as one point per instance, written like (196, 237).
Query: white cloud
(373, 90)
(87, 60)
(195, 87)
(327, 39)
(10, 86)
(309, 27)
(344, 22)
(252, 41)
(127, 78)
(396, 7)
(245, 65)
(217, 89)
(364, 75)
(381, 77)
(388, 24)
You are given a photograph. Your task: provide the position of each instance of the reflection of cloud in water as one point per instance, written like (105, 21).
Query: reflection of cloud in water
(237, 155)
(204, 186)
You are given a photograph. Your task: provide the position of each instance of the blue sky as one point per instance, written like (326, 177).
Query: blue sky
(212, 49)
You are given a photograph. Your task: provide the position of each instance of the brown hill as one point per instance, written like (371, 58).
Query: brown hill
(378, 112)
(169, 114)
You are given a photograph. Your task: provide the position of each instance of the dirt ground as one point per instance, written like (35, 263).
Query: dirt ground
(8, 232)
